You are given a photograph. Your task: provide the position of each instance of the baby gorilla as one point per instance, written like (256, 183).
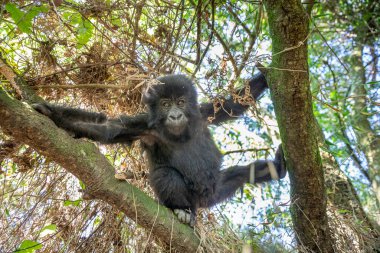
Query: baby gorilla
(184, 162)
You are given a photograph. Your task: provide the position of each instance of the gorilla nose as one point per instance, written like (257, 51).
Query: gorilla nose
(176, 117)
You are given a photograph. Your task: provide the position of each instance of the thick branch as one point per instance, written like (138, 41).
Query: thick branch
(84, 161)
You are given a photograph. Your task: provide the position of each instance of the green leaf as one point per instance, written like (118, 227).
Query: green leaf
(321, 15)
(82, 185)
(358, 128)
(97, 220)
(329, 143)
(23, 19)
(18, 17)
(35, 11)
(343, 211)
(48, 230)
(28, 246)
(72, 202)
(116, 21)
(366, 113)
(73, 18)
(84, 32)
(333, 95)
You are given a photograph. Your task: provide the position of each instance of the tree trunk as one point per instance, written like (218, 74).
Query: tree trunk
(367, 139)
(290, 91)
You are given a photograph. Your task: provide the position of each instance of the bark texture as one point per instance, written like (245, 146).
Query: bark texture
(290, 90)
(84, 161)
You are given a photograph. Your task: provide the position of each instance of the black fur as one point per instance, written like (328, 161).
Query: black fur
(230, 109)
(184, 161)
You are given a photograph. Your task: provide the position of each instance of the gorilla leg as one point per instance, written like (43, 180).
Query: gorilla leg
(173, 192)
(235, 177)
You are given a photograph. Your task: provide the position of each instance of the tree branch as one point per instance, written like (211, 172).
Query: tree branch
(83, 160)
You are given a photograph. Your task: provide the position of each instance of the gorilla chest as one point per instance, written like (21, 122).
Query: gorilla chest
(195, 157)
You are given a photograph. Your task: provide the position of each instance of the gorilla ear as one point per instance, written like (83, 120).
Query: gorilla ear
(149, 95)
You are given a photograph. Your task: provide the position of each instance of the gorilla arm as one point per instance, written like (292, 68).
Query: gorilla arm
(230, 109)
(96, 126)
(257, 172)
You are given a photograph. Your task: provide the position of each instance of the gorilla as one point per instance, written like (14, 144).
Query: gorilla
(184, 162)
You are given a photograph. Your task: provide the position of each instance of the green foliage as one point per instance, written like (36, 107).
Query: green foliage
(23, 19)
(83, 27)
(82, 185)
(28, 246)
(48, 230)
(165, 33)
(85, 31)
(72, 202)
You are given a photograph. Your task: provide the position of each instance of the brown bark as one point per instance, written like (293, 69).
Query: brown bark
(84, 161)
(290, 91)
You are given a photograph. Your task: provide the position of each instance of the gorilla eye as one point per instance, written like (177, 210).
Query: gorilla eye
(165, 103)
(181, 102)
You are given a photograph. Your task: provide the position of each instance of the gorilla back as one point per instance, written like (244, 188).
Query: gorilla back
(184, 162)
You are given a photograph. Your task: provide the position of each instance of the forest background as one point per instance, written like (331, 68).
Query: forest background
(58, 194)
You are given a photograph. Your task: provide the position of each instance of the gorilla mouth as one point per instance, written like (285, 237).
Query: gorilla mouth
(176, 128)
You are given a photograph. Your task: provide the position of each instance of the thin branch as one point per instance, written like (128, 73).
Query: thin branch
(252, 41)
(262, 68)
(112, 42)
(374, 60)
(138, 8)
(21, 87)
(245, 27)
(84, 86)
(162, 49)
(343, 129)
(245, 150)
(290, 70)
(327, 104)
(332, 50)
(309, 6)
(219, 37)
(209, 39)
(199, 31)
(299, 44)
(10, 76)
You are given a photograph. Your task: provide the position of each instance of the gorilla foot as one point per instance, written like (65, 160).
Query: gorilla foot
(185, 216)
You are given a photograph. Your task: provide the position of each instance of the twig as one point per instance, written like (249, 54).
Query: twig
(83, 86)
(209, 39)
(309, 6)
(230, 10)
(252, 41)
(291, 70)
(332, 50)
(199, 31)
(245, 150)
